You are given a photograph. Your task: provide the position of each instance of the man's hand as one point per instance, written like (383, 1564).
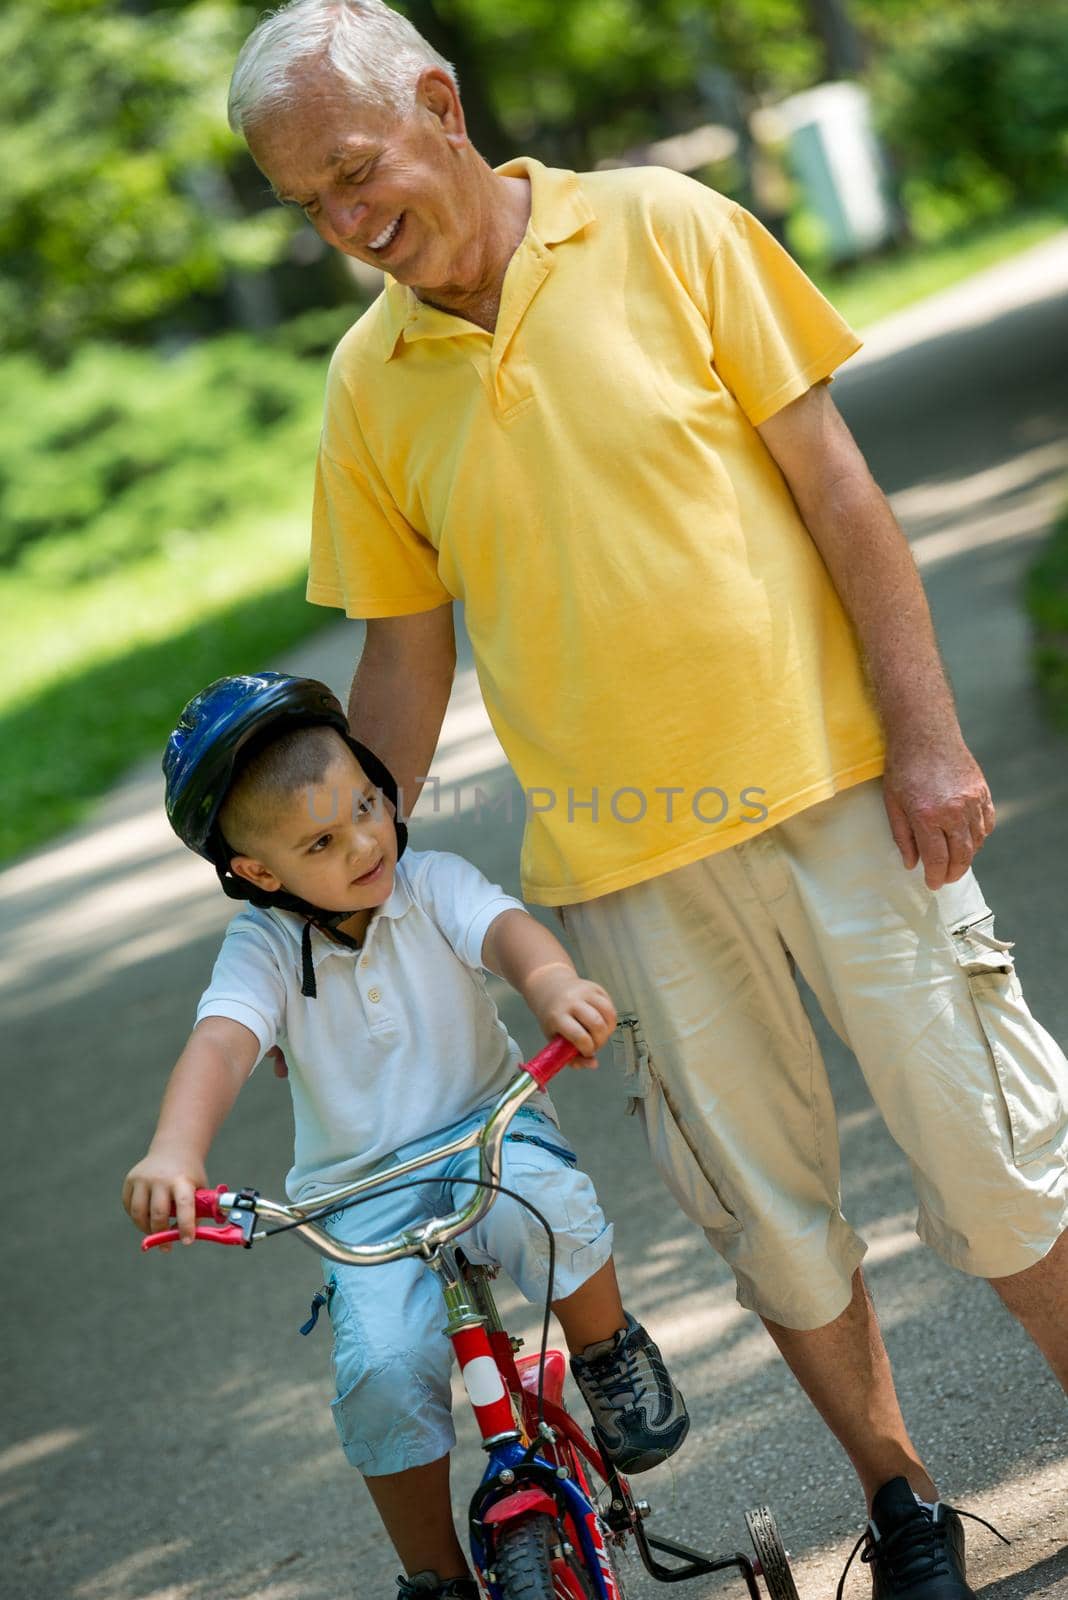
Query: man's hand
(938, 804)
(577, 1009)
(163, 1186)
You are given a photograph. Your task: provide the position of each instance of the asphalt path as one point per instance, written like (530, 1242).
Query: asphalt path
(167, 1434)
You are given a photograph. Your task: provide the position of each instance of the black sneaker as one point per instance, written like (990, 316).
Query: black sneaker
(914, 1553)
(639, 1414)
(428, 1586)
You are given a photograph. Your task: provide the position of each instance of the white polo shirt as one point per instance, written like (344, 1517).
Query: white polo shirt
(402, 1039)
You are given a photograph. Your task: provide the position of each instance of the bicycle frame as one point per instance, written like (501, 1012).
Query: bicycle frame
(534, 1465)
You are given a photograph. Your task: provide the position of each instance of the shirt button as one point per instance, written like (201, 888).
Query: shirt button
(374, 995)
(364, 960)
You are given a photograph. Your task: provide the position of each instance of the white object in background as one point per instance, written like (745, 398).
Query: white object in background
(836, 158)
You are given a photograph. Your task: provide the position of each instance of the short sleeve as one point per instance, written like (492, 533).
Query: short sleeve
(774, 335)
(246, 986)
(365, 557)
(461, 901)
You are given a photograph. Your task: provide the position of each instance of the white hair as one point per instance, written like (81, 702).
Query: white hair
(371, 48)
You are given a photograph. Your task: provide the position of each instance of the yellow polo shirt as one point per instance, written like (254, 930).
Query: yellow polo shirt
(660, 649)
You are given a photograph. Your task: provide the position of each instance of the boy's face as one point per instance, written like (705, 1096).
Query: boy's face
(332, 844)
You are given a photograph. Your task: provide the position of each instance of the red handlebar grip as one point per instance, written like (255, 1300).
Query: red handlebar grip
(551, 1060)
(207, 1202)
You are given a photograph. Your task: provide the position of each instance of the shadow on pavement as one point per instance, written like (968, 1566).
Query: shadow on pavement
(1049, 1577)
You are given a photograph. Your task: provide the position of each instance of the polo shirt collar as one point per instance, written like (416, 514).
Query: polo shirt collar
(558, 210)
(558, 207)
(400, 898)
(399, 902)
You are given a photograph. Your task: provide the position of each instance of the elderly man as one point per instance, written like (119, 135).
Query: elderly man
(594, 407)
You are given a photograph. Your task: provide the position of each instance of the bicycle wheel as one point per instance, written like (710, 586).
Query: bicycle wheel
(532, 1562)
(771, 1553)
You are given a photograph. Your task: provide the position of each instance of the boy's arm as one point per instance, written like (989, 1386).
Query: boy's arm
(200, 1093)
(519, 949)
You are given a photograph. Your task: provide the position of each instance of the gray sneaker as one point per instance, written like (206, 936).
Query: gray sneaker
(428, 1586)
(639, 1414)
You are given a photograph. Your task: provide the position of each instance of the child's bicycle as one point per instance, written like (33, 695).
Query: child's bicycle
(551, 1514)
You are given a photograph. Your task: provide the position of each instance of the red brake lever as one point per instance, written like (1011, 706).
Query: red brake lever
(206, 1204)
(231, 1234)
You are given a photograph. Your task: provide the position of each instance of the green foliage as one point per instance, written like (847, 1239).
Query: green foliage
(116, 203)
(589, 80)
(70, 739)
(1047, 601)
(975, 104)
(122, 451)
(154, 524)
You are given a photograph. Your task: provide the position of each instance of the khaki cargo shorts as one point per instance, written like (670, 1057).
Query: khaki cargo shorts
(722, 1064)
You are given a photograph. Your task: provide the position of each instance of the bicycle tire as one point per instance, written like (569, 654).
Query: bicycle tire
(530, 1563)
(771, 1553)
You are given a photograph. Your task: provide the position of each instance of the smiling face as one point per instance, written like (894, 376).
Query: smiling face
(394, 191)
(332, 843)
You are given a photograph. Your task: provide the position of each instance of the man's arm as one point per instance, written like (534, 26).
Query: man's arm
(401, 690)
(937, 799)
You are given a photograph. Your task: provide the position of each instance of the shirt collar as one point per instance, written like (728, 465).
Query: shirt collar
(558, 210)
(399, 902)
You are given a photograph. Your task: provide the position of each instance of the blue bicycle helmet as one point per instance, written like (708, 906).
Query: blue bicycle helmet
(220, 729)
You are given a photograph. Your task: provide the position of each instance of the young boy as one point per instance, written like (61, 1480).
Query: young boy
(368, 969)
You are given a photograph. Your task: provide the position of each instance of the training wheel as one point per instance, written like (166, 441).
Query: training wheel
(771, 1554)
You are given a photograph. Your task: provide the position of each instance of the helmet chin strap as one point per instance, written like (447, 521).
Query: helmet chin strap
(314, 916)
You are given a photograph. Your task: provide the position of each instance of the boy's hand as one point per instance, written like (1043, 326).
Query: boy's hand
(163, 1186)
(581, 1011)
(533, 961)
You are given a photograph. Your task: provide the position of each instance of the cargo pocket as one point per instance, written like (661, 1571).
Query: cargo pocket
(674, 1154)
(630, 1056)
(1030, 1066)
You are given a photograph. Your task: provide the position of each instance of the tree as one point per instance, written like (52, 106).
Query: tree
(112, 134)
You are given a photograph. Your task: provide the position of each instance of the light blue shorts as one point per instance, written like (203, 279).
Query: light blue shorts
(392, 1362)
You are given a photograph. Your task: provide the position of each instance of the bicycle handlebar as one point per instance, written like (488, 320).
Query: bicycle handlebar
(237, 1211)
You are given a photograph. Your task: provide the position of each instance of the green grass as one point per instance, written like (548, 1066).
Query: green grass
(875, 289)
(94, 679)
(54, 629)
(1047, 603)
(114, 617)
(153, 535)
(74, 742)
